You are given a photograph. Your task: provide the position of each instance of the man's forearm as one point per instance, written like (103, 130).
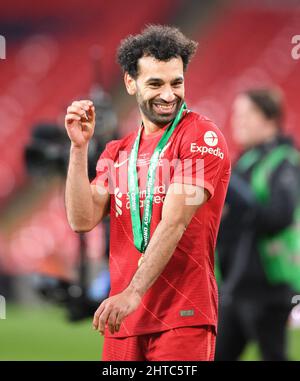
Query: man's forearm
(159, 251)
(79, 199)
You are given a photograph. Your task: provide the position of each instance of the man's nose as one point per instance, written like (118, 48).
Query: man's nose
(167, 94)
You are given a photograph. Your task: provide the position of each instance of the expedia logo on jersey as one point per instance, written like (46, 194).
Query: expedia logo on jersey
(211, 139)
(203, 150)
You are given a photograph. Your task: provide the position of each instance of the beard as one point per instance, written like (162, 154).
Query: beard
(158, 111)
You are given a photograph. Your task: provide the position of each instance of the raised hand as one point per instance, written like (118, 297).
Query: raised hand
(80, 122)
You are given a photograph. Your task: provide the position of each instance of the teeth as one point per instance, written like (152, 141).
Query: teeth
(165, 107)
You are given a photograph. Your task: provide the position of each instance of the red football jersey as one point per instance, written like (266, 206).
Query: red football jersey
(185, 294)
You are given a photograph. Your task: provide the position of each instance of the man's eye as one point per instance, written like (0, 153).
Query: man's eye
(154, 85)
(177, 84)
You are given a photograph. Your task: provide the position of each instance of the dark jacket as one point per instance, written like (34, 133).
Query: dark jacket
(246, 221)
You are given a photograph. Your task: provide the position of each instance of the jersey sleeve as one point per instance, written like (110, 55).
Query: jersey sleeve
(202, 156)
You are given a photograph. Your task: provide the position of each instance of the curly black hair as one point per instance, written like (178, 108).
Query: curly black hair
(158, 41)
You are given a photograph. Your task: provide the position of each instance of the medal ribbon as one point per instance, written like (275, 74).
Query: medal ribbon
(141, 231)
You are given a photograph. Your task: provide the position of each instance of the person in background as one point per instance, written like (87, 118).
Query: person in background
(251, 306)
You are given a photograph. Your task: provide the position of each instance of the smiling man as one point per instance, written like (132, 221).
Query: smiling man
(164, 186)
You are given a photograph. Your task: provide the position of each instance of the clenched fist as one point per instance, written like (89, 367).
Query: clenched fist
(80, 122)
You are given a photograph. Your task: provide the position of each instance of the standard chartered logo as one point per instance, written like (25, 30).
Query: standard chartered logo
(118, 200)
(158, 198)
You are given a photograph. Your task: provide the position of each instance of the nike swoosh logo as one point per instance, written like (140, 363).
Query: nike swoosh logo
(117, 165)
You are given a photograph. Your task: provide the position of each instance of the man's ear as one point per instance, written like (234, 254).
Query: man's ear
(130, 84)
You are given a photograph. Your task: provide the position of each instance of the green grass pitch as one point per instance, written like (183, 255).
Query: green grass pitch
(44, 334)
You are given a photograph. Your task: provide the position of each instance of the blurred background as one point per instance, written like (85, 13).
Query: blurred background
(57, 52)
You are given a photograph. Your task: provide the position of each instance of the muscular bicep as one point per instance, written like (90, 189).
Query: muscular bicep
(181, 203)
(101, 200)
